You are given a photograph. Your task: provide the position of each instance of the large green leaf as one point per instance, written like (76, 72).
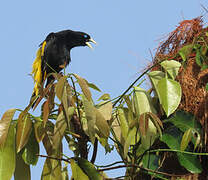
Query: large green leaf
(172, 67)
(89, 169)
(22, 170)
(169, 92)
(4, 125)
(155, 77)
(173, 138)
(184, 121)
(7, 155)
(142, 101)
(90, 116)
(24, 126)
(31, 150)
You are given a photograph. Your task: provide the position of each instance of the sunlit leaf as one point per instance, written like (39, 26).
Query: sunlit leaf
(60, 127)
(7, 155)
(4, 125)
(31, 150)
(132, 138)
(169, 92)
(90, 116)
(106, 110)
(89, 169)
(60, 87)
(65, 175)
(186, 139)
(45, 111)
(172, 67)
(123, 123)
(104, 97)
(22, 170)
(77, 173)
(93, 86)
(84, 86)
(101, 123)
(24, 125)
(142, 101)
(39, 131)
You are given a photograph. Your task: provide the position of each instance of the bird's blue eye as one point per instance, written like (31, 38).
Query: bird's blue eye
(85, 36)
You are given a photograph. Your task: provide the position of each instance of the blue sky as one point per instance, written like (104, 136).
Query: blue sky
(124, 31)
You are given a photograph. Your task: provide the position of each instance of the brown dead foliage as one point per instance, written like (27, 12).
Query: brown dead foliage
(191, 78)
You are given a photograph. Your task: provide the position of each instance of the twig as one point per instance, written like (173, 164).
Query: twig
(137, 166)
(94, 151)
(51, 157)
(135, 82)
(110, 164)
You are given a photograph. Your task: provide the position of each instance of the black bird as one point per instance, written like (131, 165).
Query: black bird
(54, 54)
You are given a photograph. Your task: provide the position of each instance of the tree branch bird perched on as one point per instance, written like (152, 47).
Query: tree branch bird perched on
(54, 54)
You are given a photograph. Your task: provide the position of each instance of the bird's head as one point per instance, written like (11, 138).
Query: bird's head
(76, 38)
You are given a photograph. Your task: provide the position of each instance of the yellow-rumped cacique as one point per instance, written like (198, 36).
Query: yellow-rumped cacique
(54, 54)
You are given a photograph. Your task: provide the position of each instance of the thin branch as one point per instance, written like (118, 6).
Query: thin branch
(94, 151)
(51, 157)
(135, 82)
(118, 162)
(137, 166)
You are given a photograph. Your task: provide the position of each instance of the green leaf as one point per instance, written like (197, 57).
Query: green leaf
(185, 51)
(60, 87)
(90, 116)
(206, 87)
(155, 77)
(39, 131)
(106, 110)
(4, 125)
(89, 169)
(22, 170)
(84, 86)
(24, 126)
(142, 101)
(65, 175)
(7, 155)
(60, 127)
(184, 121)
(199, 58)
(172, 67)
(173, 138)
(77, 173)
(132, 138)
(51, 170)
(123, 123)
(93, 86)
(169, 92)
(104, 97)
(31, 150)
(186, 139)
(101, 123)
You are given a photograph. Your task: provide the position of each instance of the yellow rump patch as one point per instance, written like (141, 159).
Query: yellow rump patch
(36, 68)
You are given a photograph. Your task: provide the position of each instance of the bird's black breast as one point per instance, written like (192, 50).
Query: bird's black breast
(56, 55)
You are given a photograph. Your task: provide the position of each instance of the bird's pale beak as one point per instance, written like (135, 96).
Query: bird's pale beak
(89, 45)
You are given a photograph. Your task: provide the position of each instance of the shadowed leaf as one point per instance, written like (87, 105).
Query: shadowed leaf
(60, 87)
(31, 150)
(39, 131)
(123, 123)
(22, 170)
